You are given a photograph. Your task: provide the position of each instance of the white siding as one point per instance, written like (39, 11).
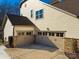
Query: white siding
(8, 30)
(53, 19)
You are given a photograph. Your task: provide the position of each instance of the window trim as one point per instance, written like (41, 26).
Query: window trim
(40, 14)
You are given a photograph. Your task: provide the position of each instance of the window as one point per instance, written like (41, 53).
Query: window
(51, 34)
(57, 34)
(39, 33)
(61, 34)
(28, 33)
(22, 33)
(39, 14)
(19, 33)
(31, 13)
(44, 33)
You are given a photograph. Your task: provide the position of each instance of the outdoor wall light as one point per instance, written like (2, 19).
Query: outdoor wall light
(48, 29)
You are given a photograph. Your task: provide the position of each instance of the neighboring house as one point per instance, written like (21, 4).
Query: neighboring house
(18, 30)
(60, 19)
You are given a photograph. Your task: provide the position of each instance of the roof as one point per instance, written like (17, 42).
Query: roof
(19, 20)
(71, 6)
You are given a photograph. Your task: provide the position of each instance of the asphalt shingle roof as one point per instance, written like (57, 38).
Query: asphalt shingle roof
(19, 20)
(71, 6)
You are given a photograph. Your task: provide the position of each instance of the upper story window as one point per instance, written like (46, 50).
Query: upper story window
(31, 13)
(39, 14)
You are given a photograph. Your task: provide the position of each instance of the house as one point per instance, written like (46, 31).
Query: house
(18, 30)
(60, 19)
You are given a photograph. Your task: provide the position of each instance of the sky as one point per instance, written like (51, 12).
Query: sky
(48, 1)
(9, 6)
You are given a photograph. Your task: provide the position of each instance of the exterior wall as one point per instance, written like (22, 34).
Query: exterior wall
(8, 30)
(54, 18)
(54, 42)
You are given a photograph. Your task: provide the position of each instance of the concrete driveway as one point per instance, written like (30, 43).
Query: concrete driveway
(3, 54)
(35, 52)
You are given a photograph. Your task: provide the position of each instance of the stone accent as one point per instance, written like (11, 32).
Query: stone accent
(68, 45)
(78, 45)
(71, 45)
